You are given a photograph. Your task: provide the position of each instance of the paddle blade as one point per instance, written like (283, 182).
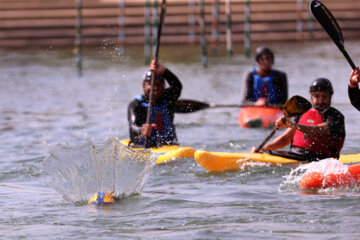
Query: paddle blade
(296, 105)
(188, 106)
(328, 22)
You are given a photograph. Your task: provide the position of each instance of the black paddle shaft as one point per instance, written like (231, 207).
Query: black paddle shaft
(330, 25)
(267, 139)
(161, 22)
(198, 105)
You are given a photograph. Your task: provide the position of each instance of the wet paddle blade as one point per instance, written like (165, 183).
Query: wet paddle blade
(296, 105)
(328, 22)
(188, 106)
(330, 25)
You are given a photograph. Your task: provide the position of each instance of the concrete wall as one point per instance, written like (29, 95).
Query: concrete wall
(28, 23)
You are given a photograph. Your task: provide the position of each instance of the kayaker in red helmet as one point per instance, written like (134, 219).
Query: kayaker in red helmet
(317, 134)
(353, 89)
(264, 85)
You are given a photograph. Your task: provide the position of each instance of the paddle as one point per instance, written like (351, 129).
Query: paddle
(293, 106)
(330, 25)
(187, 106)
(161, 22)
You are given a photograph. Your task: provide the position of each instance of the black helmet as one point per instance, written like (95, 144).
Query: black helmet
(263, 50)
(321, 84)
(147, 76)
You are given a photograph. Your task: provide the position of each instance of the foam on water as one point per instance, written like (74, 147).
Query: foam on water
(327, 166)
(78, 171)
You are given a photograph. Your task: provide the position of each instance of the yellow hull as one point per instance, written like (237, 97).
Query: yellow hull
(231, 161)
(170, 152)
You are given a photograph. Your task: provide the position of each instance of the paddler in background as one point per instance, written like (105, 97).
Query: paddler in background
(264, 85)
(353, 89)
(317, 134)
(161, 131)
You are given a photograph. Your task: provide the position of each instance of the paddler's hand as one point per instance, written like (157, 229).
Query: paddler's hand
(261, 102)
(253, 149)
(354, 78)
(146, 129)
(157, 68)
(282, 122)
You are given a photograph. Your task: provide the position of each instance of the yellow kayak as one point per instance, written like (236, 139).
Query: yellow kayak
(231, 161)
(170, 152)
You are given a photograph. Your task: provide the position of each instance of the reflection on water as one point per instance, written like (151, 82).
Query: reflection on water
(78, 171)
(43, 102)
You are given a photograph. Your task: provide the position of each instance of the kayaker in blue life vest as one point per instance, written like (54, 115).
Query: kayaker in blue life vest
(264, 85)
(317, 134)
(353, 88)
(161, 130)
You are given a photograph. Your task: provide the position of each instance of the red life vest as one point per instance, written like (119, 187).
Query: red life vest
(324, 145)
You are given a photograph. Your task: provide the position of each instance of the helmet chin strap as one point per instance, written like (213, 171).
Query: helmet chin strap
(322, 110)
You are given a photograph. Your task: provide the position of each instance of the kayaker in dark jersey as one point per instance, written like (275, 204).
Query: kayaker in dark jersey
(317, 134)
(264, 85)
(353, 89)
(161, 130)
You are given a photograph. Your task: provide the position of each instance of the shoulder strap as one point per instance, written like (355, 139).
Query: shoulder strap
(253, 70)
(139, 97)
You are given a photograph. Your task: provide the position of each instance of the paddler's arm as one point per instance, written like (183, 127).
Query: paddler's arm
(281, 141)
(173, 92)
(354, 96)
(136, 118)
(247, 89)
(281, 84)
(322, 129)
(133, 117)
(353, 88)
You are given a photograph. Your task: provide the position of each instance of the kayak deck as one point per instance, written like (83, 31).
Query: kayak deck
(231, 161)
(169, 152)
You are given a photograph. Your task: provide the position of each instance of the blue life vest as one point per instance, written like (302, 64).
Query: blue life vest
(264, 87)
(164, 133)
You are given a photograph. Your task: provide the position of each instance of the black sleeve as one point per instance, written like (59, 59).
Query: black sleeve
(281, 84)
(336, 122)
(354, 96)
(136, 117)
(247, 89)
(174, 91)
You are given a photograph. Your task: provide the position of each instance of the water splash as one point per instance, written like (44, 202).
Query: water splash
(78, 171)
(328, 168)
